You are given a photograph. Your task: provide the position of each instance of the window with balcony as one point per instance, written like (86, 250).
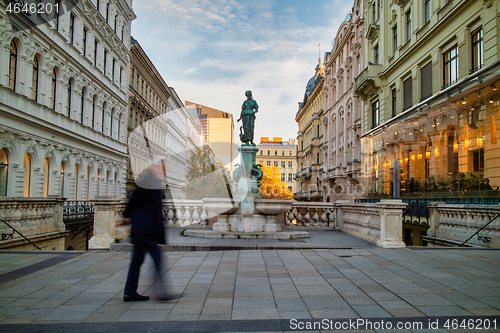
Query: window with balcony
(450, 66)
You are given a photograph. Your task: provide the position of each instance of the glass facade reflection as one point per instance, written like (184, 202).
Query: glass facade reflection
(445, 147)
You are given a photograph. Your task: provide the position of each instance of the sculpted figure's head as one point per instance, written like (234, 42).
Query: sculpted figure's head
(248, 94)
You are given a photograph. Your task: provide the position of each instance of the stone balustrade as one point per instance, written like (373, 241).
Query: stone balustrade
(379, 222)
(311, 216)
(455, 223)
(38, 219)
(184, 213)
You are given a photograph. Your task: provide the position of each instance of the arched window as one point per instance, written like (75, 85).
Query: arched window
(13, 66)
(46, 174)
(34, 80)
(77, 179)
(69, 98)
(82, 106)
(4, 169)
(27, 175)
(116, 22)
(275, 152)
(54, 84)
(63, 171)
(119, 127)
(268, 152)
(107, 12)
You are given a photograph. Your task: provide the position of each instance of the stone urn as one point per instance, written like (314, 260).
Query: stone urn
(220, 207)
(271, 208)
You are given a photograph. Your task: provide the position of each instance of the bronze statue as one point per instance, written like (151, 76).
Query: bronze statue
(248, 111)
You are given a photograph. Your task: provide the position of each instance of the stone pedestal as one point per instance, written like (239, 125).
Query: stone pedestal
(104, 222)
(391, 226)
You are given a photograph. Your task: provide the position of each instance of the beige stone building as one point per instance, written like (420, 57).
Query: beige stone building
(310, 139)
(282, 154)
(217, 128)
(343, 109)
(431, 100)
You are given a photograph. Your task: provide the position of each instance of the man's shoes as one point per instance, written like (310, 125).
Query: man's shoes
(166, 298)
(135, 297)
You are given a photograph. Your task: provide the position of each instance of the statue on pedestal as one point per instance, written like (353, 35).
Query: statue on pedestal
(248, 111)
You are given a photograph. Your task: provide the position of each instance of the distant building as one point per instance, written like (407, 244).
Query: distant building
(343, 110)
(310, 139)
(217, 128)
(157, 112)
(281, 154)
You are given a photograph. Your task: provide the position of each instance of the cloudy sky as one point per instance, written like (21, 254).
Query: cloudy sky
(212, 51)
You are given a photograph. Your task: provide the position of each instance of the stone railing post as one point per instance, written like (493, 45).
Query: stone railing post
(391, 223)
(104, 222)
(58, 211)
(339, 217)
(434, 216)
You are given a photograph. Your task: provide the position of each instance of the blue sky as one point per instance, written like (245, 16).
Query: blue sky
(212, 51)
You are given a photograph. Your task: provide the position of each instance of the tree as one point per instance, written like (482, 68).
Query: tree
(272, 187)
(206, 177)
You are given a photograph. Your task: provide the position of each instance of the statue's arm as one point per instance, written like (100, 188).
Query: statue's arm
(256, 106)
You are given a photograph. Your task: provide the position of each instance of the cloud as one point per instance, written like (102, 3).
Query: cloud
(212, 51)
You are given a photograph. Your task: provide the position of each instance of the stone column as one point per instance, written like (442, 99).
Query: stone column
(391, 223)
(339, 220)
(104, 222)
(433, 220)
(59, 211)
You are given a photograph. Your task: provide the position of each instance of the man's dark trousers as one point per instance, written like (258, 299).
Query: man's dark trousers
(135, 266)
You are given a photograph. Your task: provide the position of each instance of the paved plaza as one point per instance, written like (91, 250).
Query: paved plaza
(255, 290)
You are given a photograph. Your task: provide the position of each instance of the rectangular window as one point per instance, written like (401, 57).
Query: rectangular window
(283, 164)
(71, 27)
(393, 102)
(113, 71)
(450, 66)
(375, 114)
(407, 93)
(84, 41)
(95, 52)
(275, 163)
(358, 62)
(374, 16)
(427, 10)
(290, 177)
(282, 177)
(317, 158)
(477, 49)
(426, 81)
(105, 60)
(408, 25)
(132, 81)
(375, 55)
(121, 73)
(290, 165)
(394, 39)
(268, 163)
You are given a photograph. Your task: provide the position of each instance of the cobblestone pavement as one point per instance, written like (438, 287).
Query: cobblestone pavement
(252, 290)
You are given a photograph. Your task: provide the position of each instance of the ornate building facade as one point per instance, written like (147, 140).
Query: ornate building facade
(310, 139)
(282, 154)
(343, 109)
(63, 101)
(430, 86)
